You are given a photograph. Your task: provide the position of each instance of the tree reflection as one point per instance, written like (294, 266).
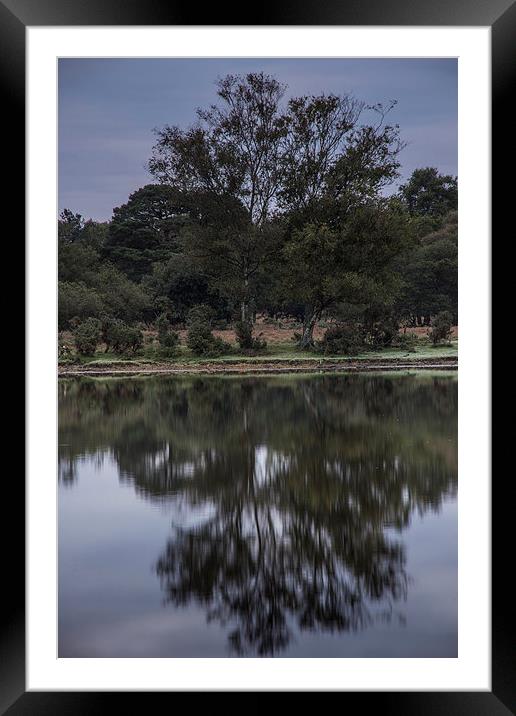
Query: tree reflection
(305, 487)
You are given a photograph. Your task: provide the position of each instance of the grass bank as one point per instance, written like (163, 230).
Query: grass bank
(279, 358)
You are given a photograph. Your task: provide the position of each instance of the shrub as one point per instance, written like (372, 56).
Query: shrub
(76, 300)
(87, 336)
(168, 339)
(119, 337)
(200, 339)
(406, 342)
(220, 324)
(382, 331)
(200, 314)
(345, 338)
(245, 338)
(441, 328)
(63, 349)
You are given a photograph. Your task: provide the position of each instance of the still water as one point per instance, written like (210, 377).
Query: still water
(286, 516)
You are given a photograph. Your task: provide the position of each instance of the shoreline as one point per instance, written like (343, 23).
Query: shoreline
(258, 366)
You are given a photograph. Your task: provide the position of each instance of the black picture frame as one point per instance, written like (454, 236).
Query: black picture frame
(15, 16)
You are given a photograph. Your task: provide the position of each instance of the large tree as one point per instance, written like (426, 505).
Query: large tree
(327, 267)
(231, 164)
(145, 229)
(234, 150)
(336, 169)
(309, 161)
(333, 160)
(429, 193)
(430, 273)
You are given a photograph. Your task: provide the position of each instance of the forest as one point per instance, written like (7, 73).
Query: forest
(266, 212)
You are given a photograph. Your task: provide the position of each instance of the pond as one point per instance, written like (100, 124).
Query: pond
(286, 516)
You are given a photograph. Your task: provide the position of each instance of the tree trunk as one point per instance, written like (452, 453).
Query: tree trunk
(245, 304)
(307, 339)
(244, 310)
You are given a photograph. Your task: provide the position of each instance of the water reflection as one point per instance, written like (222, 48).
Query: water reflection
(305, 485)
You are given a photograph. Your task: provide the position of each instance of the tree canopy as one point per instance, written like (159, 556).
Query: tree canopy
(271, 204)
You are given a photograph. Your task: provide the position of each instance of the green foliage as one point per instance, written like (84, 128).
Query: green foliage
(64, 351)
(77, 300)
(245, 338)
(406, 341)
(70, 226)
(249, 155)
(144, 230)
(430, 193)
(178, 284)
(354, 265)
(73, 229)
(202, 342)
(87, 335)
(200, 339)
(231, 253)
(343, 339)
(271, 207)
(168, 339)
(107, 291)
(244, 334)
(215, 151)
(441, 328)
(121, 297)
(381, 326)
(119, 337)
(316, 263)
(78, 262)
(429, 273)
(201, 313)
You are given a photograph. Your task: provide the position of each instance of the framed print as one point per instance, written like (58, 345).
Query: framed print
(257, 459)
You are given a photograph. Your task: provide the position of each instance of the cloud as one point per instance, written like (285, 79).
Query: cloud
(108, 109)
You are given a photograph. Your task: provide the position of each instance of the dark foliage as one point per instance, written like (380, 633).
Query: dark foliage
(200, 339)
(119, 337)
(87, 335)
(441, 328)
(168, 339)
(345, 338)
(268, 207)
(245, 338)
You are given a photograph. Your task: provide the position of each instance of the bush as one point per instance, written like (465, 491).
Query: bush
(344, 338)
(168, 339)
(200, 314)
(406, 342)
(220, 324)
(63, 349)
(119, 337)
(245, 339)
(76, 300)
(441, 328)
(87, 336)
(200, 340)
(382, 331)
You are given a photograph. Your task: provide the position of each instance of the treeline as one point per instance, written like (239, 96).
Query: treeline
(263, 207)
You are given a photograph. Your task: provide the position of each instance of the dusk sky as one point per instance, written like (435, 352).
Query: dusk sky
(108, 109)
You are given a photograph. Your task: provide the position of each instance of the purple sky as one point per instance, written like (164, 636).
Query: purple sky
(108, 109)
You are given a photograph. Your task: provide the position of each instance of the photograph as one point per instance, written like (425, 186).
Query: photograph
(258, 341)
(258, 382)
(258, 389)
